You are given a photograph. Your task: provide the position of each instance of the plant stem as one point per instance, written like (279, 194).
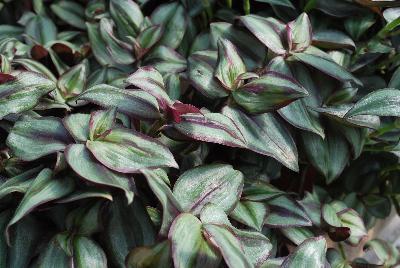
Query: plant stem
(303, 180)
(154, 129)
(246, 7)
(207, 7)
(341, 249)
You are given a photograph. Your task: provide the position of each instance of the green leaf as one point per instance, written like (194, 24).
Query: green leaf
(395, 80)
(266, 31)
(7, 31)
(86, 166)
(173, 85)
(85, 219)
(328, 156)
(200, 254)
(336, 259)
(35, 66)
(4, 219)
(229, 246)
(88, 193)
(127, 151)
(77, 126)
(119, 51)
(201, 42)
(260, 191)
(19, 183)
(284, 3)
(230, 65)
(60, 66)
(211, 127)
(151, 81)
(339, 113)
(332, 39)
(42, 29)
(356, 137)
(25, 238)
(101, 122)
(105, 75)
(173, 18)
(21, 91)
(32, 138)
(273, 263)
(98, 46)
(329, 216)
(286, 212)
(312, 206)
(147, 39)
(265, 135)
(344, 95)
(384, 102)
(269, 92)
(326, 66)
(134, 103)
(70, 12)
(43, 189)
(378, 206)
(201, 74)
(54, 255)
(299, 33)
(337, 8)
(356, 26)
(218, 184)
(391, 14)
(386, 253)
(310, 253)
(256, 246)
(127, 16)
(253, 52)
(396, 150)
(73, 82)
(127, 227)
(250, 213)
(297, 234)
(296, 113)
(88, 253)
(159, 184)
(95, 10)
(166, 60)
(5, 64)
(351, 219)
(38, 7)
(158, 255)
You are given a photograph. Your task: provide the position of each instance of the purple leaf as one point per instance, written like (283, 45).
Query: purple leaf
(32, 138)
(230, 65)
(211, 127)
(268, 31)
(127, 151)
(86, 166)
(286, 212)
(269, 92)
(151, 81)
(218, 184)
(299, 33)
(310, 253)
(101, 122)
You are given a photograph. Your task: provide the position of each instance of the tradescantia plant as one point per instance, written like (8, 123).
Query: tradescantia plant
(188, 134)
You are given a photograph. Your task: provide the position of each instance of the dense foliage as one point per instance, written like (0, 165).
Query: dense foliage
(211, 133)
